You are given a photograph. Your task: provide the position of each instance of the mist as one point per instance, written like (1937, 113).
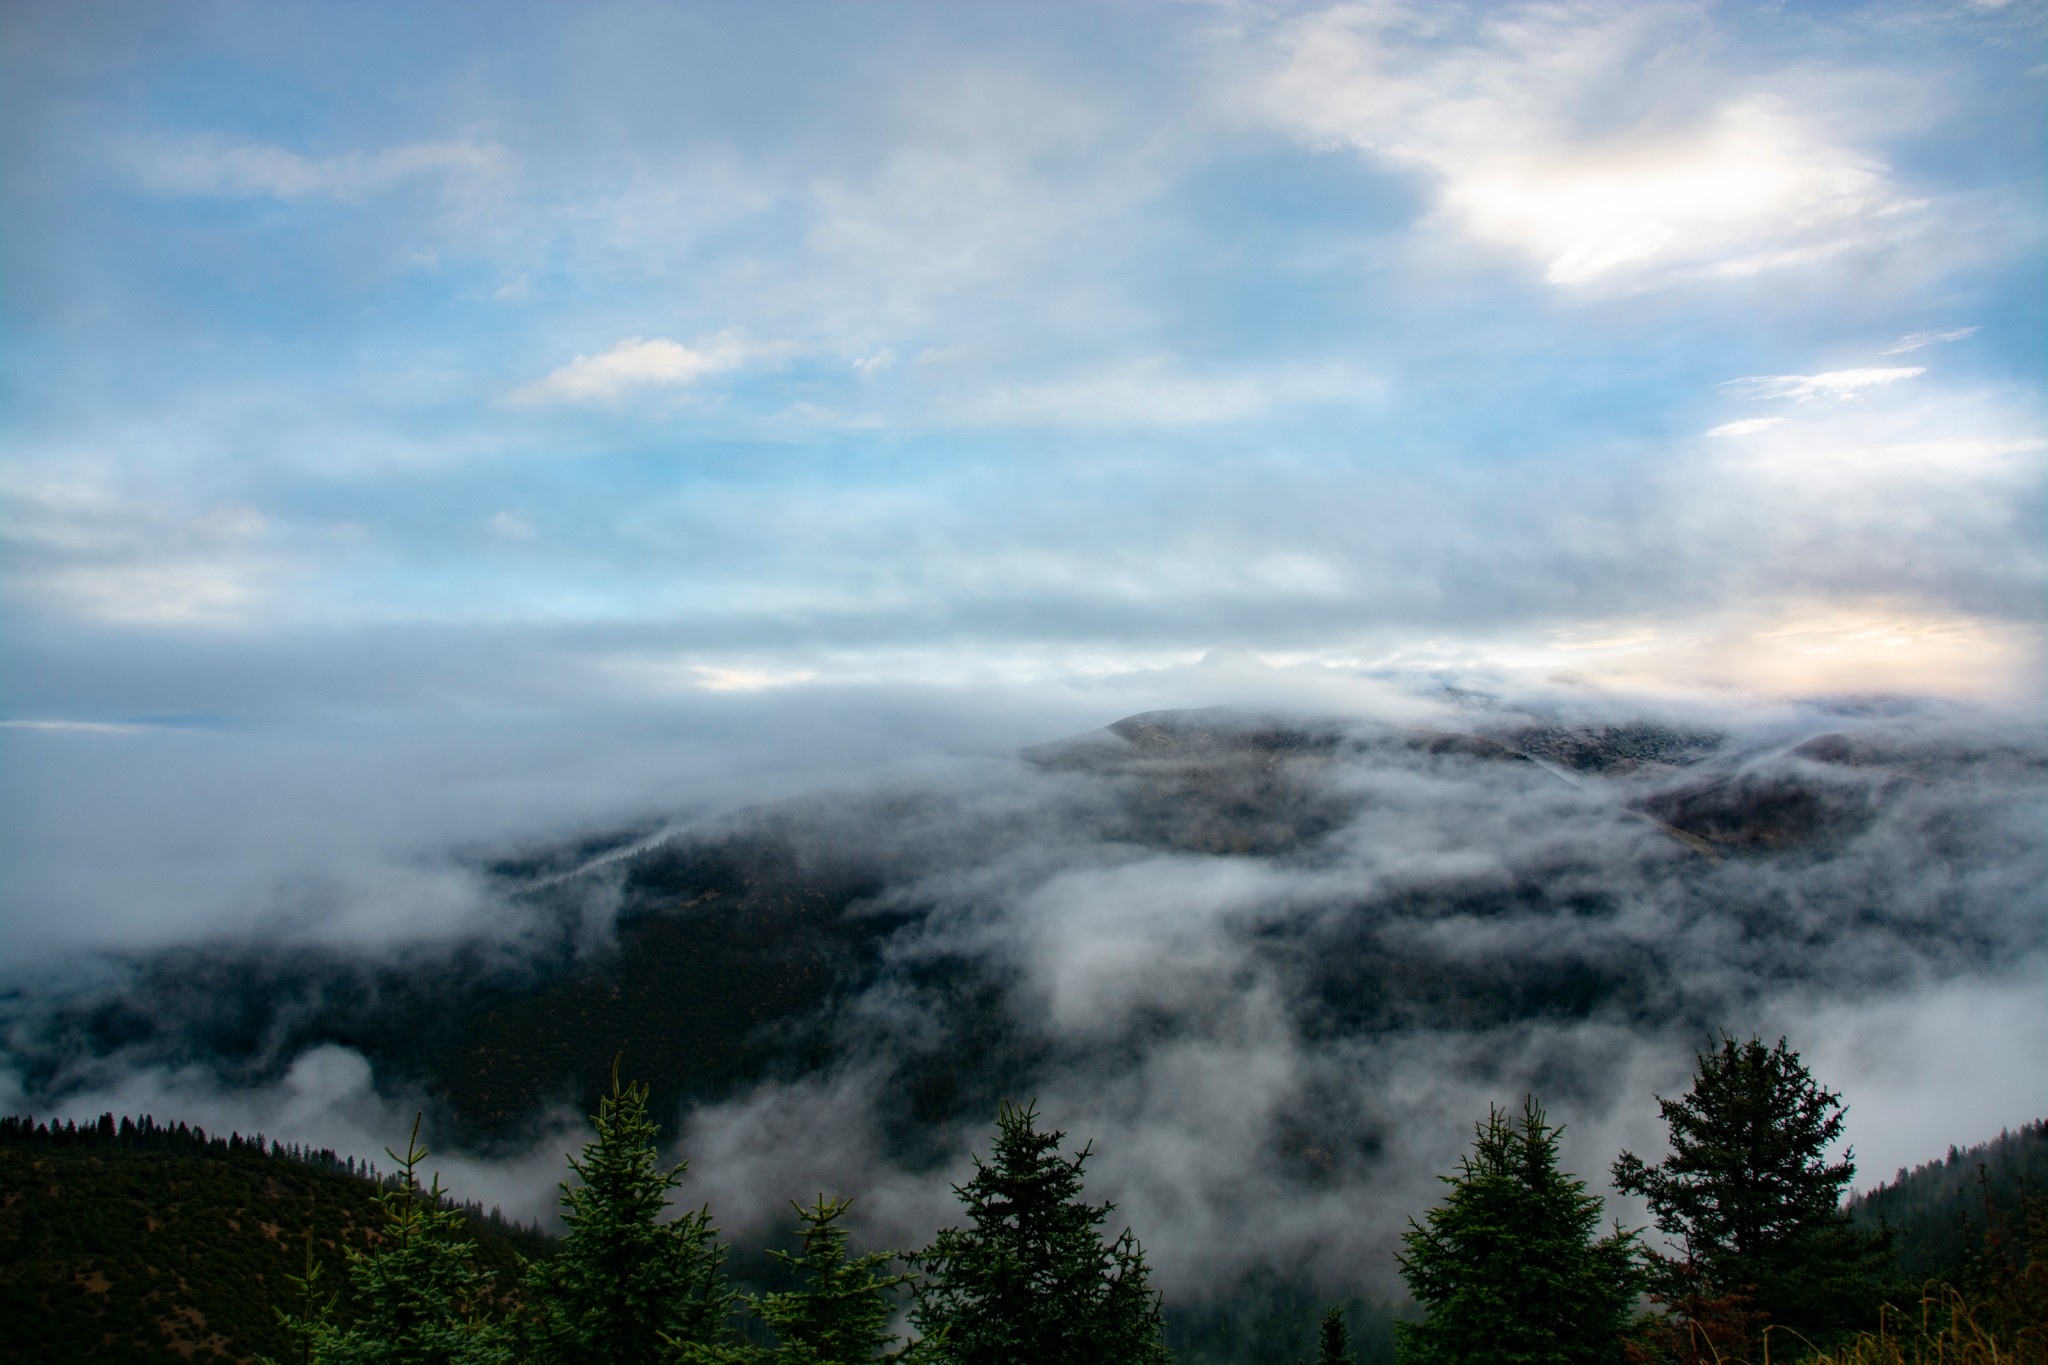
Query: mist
(1272, 962)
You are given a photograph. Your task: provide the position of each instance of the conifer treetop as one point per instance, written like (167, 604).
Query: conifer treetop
(1030, 1278)
(1508, 1267)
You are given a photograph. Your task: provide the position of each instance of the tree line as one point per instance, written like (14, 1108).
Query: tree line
(1759, 1259)
(1030, 1276)
(1950, 1203)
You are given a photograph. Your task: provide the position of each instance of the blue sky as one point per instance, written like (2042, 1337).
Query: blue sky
(861, 339)
(389, 365)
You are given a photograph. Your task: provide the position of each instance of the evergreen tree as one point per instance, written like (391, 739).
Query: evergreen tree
(418, 1297)
(628, 1288)
(1508, 1267)
(1752, 1199)
(841, 1314)
(1031, 1281)
(308, 1327)
(1333, 1340)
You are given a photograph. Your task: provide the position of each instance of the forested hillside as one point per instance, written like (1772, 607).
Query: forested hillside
(135, 1241)
(1939, 1208)
(138, 1242)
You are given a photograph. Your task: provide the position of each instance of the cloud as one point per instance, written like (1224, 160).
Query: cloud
(1715, 186)
(638, 364)
(1274, 1054)
(1915, 341)
(715, 679)
(166, 591)
(328, 1097)
(1149, 393)
(84, 543)
(1833, 384)
(216, 168)
(1275, 1048)
(1748, 426)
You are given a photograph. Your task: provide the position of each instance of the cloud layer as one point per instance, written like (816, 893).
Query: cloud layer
(1273, 967)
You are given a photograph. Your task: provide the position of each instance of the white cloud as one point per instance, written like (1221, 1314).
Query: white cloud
(328, 1097)
(511, 526)
(713, 679)
(81, 543)
(639, 364)
(661, 675)
(1833, 384)
(1746, 183)
(207, 166)
(1154, 393)
(1748, 426)
(166, 592)
(1917, 340)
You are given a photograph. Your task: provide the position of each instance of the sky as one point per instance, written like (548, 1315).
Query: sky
(700, 347)
(423, 427)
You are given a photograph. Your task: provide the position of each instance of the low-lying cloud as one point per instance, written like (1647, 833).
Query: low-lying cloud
(1275, 968)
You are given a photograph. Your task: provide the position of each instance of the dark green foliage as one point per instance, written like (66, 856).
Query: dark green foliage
(1333, 1340)
(1508, 1268)
(138, 1242)
(416, 1297)
(312, 1309)
(1270, 1317)
(628, 1288)
(1030, 1280)
(840, 1315)
(1754, 1202)
(1937, 1210)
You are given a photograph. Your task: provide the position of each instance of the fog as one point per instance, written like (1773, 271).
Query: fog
(1274, 987)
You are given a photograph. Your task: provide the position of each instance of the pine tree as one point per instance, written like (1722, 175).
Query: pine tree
(418, 1297)
(841, 1314)
(1508, 1267)
(1752, 1199)
(1333, 1340)
(628, 1288)
(1031, 1281)
(307, 1328)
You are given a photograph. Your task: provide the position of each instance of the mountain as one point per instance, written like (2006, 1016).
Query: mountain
(1274, 965)
(732, 946)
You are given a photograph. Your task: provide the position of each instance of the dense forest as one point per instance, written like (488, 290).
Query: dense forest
(136, 1241)
(132, 1240)
(1943, 1209)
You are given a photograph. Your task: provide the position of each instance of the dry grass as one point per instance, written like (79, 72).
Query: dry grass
(1950, 1330)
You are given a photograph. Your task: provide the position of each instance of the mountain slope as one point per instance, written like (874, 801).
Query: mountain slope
(1939, 1208)
(140, 1243)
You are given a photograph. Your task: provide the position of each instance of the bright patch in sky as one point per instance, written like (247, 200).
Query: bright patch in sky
(1834, 384)
(636, 364)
